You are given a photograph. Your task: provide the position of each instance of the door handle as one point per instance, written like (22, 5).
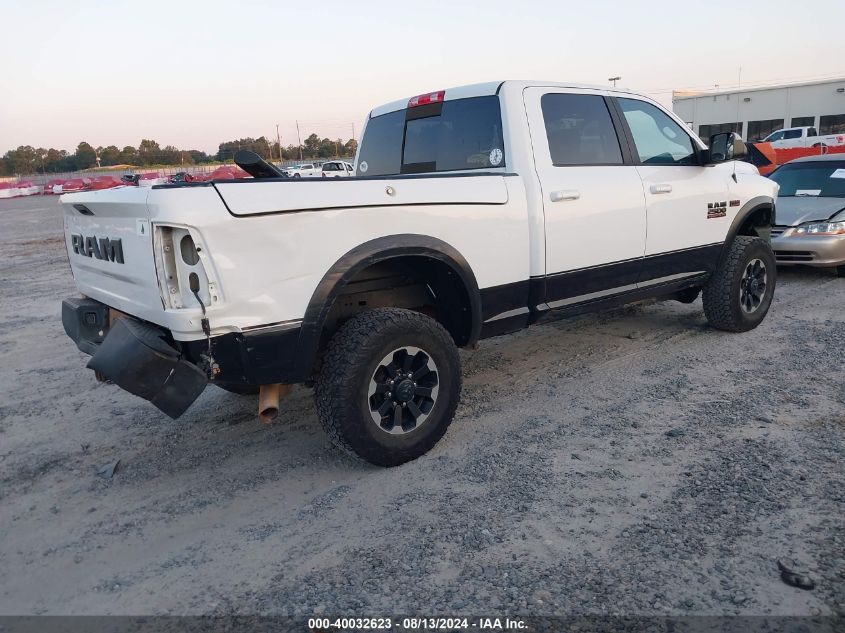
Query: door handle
(564, 194)
(665, 188)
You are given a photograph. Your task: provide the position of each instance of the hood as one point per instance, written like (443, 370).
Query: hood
(793, 210)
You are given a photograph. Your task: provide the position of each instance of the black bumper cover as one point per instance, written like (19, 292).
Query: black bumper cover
(134, 355)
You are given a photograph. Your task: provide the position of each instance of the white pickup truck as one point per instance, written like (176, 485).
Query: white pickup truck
(305, 170)
(475, 211)
(803, 137)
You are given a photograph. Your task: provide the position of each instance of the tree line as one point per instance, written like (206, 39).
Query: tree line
(31, 160)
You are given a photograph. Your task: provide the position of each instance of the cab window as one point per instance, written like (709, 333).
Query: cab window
(579, 130)
(658, 138)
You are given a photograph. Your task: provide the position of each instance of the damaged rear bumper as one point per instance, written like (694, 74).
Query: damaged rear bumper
(135, 355)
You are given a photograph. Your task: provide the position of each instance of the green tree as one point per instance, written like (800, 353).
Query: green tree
(149, 152)
(109, 155)
(23, 160)
(311, 146)
(85, 156)
(198, 156)
(128, 156)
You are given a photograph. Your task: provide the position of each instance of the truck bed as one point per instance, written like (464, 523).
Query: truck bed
(246, 232)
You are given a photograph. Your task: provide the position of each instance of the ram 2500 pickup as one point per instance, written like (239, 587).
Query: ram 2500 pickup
(475, 211)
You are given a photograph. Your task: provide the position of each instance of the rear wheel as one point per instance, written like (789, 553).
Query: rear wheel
(388, 385)
(738, 295)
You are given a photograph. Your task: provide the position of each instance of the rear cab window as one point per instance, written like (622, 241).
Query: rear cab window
(579, 130)
(456, 135)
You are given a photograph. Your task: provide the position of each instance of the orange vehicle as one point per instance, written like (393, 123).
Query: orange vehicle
(766, 158)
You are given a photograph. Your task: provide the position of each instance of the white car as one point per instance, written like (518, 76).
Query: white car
(803, 137)
(477, 211)
(305, 170)
(337, 169)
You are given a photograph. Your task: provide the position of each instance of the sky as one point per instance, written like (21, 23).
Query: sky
(194, 74)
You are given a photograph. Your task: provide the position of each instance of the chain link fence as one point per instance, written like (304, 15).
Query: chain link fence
(164, 171)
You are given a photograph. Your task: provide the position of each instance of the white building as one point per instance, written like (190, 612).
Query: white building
(754, 113)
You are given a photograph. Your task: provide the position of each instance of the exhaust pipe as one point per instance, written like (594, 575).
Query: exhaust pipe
(268, 401)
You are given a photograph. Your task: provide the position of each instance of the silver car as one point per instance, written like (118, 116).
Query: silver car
(810, 212)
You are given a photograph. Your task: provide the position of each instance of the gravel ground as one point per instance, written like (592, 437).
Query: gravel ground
(630, 462)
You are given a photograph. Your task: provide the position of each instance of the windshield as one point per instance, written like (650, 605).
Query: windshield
(456, 135)
(821, 179)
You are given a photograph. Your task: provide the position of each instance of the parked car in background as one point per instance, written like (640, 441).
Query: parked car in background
(306, 170)
(182, 176)
(105, 182)
(803, 137)
(28, 188)
(337, 169)
(53, 186)
(151, 179)
(76, 184)
(810, 218)
(8, 189)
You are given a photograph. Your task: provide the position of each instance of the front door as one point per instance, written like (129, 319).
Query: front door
(686, 202)
(595, 219)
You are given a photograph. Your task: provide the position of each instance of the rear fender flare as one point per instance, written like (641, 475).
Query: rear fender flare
(363, 256)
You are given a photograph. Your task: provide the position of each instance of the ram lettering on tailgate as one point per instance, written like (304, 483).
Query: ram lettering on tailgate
(102, 248)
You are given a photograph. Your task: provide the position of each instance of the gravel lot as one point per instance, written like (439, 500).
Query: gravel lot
(631, 462)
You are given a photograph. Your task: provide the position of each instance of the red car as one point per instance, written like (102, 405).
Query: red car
(76, 184)
(105, 182)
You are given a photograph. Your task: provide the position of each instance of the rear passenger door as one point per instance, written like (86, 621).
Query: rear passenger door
(595, 220)
(684, 237)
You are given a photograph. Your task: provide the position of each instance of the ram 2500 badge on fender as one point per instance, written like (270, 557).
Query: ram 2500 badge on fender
(475, 211)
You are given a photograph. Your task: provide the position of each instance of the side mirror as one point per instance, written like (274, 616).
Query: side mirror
(726, 146)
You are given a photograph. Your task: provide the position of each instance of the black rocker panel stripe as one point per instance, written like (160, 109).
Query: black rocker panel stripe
(584, 281)
(504, 308)
(690, 260)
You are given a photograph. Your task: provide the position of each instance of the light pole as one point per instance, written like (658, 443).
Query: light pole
(614, 80)
(279, 141)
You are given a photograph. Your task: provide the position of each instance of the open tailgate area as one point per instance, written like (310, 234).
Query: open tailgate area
(253, 197)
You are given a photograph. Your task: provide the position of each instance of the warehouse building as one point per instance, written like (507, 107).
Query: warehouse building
(754, 113)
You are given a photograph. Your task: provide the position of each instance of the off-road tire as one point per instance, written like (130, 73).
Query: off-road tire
(353, 355)
(840, 271)
(721, 296)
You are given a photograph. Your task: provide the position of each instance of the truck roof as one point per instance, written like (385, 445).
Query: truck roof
(493, 87)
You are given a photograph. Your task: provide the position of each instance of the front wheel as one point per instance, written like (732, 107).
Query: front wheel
(738, 295)
(388, 386)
